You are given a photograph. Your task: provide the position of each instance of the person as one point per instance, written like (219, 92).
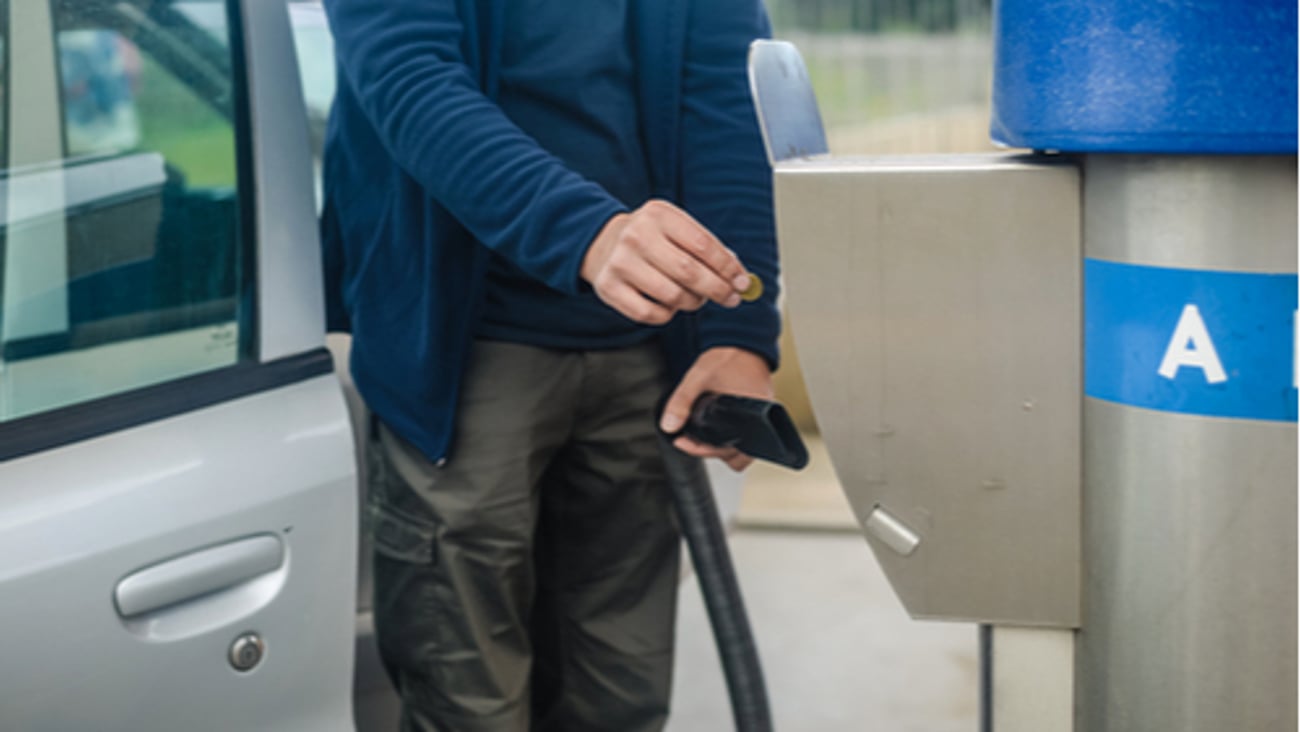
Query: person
(538, 219)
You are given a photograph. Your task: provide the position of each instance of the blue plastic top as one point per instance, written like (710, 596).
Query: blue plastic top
(1158, 76)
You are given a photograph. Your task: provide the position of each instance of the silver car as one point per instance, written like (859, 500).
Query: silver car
(179, 544)
(178, 504)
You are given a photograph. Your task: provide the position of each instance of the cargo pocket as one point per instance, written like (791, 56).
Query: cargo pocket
(399, 526)
(409, 594)
(398, 537)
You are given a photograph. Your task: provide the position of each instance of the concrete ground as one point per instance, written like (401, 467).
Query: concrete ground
(838, 650)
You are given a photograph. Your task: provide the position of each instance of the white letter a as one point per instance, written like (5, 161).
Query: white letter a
(1191, 346)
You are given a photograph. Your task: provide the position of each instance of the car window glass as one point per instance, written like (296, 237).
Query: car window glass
(4, 84)
(315, 49)
(120, 236)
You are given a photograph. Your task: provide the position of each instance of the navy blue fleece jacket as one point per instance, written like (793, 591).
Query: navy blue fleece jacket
(424, 174)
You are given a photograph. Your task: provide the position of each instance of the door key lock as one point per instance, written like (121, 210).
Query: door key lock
(247, 651)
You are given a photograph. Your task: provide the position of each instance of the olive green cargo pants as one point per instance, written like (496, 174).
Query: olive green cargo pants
(530, 583)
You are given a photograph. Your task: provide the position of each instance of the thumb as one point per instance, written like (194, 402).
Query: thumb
(678, 408)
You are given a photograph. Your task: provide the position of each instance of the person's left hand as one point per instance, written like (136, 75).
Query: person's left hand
(724, 370)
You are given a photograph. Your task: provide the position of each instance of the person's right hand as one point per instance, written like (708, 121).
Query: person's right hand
(657, 260)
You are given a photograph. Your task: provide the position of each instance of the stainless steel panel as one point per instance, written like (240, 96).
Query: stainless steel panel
(1190, 596)
(1206, 213)
(1190, 533)
(785, 102)
(935, 303)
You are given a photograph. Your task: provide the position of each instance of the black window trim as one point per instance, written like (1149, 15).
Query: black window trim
(124, 410)
(248, 287)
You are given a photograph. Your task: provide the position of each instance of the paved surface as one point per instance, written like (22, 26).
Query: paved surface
(839, 652)
(776, 498)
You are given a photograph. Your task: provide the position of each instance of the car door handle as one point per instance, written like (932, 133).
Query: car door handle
(198, 573)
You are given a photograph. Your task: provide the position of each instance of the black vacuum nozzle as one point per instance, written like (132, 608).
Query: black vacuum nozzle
(757, 427)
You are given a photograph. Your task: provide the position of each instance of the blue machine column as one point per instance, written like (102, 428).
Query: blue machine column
(1184, 115)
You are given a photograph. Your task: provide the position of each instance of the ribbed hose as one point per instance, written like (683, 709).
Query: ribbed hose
(707, 541)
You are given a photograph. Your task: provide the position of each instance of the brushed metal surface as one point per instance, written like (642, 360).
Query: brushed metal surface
(1190, 594)
(785, 102)
(1190, 533)
(935, 303)
(1198, 212)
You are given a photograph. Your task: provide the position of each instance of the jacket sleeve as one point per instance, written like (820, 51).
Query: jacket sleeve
(404, 62)
(726, 180)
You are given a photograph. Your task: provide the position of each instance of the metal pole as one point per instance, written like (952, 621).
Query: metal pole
(1189, 445)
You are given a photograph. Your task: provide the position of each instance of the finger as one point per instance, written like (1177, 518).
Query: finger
(654, 284)
(693, 238)
(630, 303)
(678, 407)
(689, 273)
(734, 459)
(740, 462)
(699, 449)
(707, 450)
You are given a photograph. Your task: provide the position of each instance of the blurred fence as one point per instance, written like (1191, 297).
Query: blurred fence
(881, 16)
(901, 93)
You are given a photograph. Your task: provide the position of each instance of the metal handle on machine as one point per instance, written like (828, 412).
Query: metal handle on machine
(198, 573)
(788, 115)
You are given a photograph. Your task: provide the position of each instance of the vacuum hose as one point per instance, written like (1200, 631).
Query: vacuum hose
(762, 429)
(707, 541)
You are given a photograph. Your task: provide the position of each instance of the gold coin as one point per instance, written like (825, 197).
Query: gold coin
(755, 289)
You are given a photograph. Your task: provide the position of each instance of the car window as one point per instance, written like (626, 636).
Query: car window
(123, 253)
(4, 85)
(315, 49)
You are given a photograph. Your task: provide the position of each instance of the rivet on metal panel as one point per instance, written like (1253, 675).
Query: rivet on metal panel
(894, 533)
